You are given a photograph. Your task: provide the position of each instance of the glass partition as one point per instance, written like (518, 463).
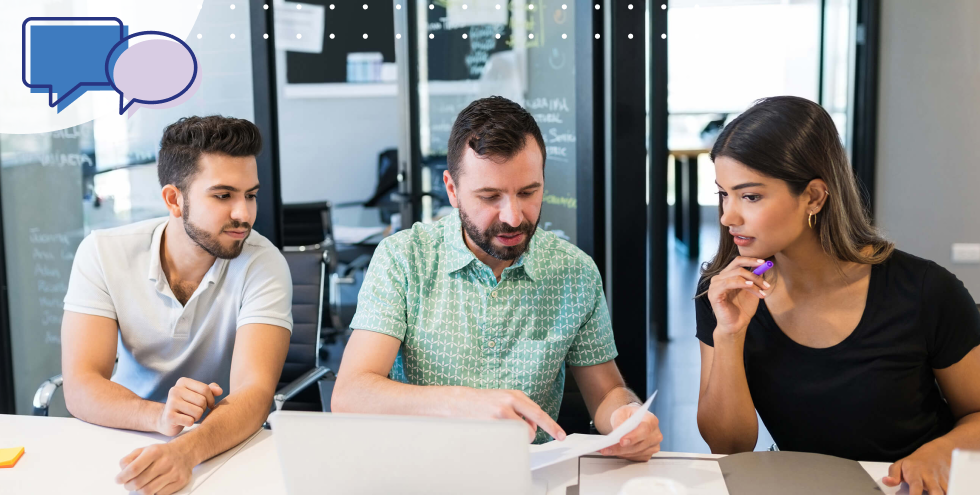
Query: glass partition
(523, 50)
(59, 186)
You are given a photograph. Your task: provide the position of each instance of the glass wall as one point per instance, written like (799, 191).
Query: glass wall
(724, 55)
(337, 106)
(523, 50)
(59, 186)
(837, 95)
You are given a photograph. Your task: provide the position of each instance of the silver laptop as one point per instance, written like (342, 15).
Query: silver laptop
(964, 472)
(359, 453)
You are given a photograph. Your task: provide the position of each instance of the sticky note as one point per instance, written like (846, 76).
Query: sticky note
(9, 457)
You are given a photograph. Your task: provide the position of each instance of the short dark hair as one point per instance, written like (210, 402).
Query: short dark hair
(493, 127)
(185, 140)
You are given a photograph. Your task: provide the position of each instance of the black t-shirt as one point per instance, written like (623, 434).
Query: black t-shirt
(873, 396)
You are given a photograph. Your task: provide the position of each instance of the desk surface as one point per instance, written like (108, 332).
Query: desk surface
(64, 455)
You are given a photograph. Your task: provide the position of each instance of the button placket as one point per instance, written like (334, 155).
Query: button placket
(182, 326)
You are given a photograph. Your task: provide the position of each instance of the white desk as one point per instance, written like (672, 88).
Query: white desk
(66, 455)
(69, 456)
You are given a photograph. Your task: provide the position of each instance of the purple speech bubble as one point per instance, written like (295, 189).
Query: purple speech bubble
(177, 101)
(159, 72)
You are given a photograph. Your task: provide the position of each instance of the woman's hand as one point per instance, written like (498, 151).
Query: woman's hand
(925, 469)
(734, 295)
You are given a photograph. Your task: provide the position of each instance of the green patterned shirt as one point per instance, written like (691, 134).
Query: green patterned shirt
(459, 326)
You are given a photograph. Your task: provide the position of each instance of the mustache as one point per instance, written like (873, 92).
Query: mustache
(502, 228)
(235, 224)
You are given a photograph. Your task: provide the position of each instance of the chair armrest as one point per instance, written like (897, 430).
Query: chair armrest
(42, 398)
(298, 385)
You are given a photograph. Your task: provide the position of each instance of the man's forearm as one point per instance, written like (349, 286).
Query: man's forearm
(371, 393)
(616, 398)
(232, 420)
(96, 400)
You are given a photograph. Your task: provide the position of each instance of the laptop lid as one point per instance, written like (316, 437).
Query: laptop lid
(360, 453)
(964, 472)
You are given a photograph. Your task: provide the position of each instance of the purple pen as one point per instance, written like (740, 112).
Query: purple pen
(763, 268)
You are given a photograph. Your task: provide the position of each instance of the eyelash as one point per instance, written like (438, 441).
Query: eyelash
(752, 198)
(493, 198)
(226, 196)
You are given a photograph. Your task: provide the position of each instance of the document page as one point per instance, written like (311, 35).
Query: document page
(576, 445)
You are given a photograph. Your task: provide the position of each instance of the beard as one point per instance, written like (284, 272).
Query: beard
(484, 239)
(209, 242)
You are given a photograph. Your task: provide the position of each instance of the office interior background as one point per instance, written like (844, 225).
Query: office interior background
(355, 100)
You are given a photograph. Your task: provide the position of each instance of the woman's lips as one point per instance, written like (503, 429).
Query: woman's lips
(741, 240)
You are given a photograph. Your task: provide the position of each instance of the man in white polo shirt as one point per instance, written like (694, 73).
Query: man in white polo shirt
(195, 304)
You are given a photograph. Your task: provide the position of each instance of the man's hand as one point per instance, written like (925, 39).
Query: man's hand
(639, 444)
(186, 403)
(159, 469)
(504, 404)
(926, 468)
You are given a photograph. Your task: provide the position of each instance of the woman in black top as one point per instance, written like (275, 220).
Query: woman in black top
(846, 346)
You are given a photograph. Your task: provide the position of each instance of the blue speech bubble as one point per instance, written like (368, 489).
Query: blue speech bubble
(69, 60)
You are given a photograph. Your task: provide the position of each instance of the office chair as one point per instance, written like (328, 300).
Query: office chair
(301, 372)
(306, 224)
(387, 184)
(573, 415)
(309, 226)
(307, 265)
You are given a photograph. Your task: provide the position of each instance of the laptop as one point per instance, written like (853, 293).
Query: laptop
(369, 454)
(964, 472)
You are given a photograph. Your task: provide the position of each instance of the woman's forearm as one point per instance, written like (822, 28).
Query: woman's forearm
(965, 435)
(726, 413)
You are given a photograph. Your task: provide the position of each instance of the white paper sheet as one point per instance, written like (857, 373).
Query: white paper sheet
(577, 445)
(299, 29)
(204, 470)
(475, 13)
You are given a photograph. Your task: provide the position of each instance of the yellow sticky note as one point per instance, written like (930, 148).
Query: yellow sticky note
(9, 457)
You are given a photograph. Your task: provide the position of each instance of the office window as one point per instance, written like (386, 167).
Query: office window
(523, 50)
(725, 54)
(59, 186)
(337, 104)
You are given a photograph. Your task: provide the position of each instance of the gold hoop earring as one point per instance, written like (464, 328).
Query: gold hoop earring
(812, 220)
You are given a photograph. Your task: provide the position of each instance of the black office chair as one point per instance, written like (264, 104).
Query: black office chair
(309, 225)
(306, 224)
(573, 416)
(302, 368)
(301, 373)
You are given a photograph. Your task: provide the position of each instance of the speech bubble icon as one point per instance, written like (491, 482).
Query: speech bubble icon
(175, 102)
(152, 72)
(65, 55)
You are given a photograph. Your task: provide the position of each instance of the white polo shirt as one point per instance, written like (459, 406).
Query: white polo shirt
(117, 274)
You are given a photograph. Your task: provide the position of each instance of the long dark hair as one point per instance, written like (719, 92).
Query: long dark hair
(794, 140)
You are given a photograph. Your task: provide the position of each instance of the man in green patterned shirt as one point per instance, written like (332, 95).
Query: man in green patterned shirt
(475, 315)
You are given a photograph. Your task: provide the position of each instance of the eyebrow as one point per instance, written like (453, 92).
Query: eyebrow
(222, 187)
(743, 186)
(494, 190)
